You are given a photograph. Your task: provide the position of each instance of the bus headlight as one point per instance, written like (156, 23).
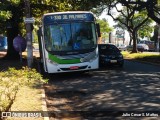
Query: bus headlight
(90, 57)
(50, 61)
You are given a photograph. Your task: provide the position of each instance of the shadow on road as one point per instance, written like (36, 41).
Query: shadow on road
(108, 89)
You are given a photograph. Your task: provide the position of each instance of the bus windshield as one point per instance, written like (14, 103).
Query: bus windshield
(69, 37)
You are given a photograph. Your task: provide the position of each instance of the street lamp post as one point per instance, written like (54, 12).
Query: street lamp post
(28, 35)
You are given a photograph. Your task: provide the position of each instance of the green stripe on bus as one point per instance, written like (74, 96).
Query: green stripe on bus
(61, 61)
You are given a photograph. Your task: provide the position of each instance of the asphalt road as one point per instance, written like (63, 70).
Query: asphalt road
(109, 90)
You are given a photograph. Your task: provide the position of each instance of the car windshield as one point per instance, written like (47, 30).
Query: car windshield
(108, 49)
(68, 37)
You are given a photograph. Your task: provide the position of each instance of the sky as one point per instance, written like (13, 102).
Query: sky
(111, 23)
(108, 18)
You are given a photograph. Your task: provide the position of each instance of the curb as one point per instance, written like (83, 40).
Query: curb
(44, 104)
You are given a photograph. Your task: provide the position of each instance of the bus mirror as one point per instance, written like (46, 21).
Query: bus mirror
(98, 29)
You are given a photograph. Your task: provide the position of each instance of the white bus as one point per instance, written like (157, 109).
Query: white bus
(61, 47)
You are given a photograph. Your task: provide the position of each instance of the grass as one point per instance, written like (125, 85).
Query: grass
(148, 57)
(28, 99)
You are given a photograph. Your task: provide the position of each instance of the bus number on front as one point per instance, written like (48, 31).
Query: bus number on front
(57, 17)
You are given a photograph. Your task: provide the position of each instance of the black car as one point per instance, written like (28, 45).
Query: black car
(109, 54)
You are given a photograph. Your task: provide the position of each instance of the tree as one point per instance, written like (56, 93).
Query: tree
(155, 35)
(151, 6)
(10, 24)
(146, 29)
(104, 28)
(130, 19)
(4, 15)
(94, 5)
(12, 14)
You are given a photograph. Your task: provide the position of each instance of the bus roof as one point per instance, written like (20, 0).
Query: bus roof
(67, 12)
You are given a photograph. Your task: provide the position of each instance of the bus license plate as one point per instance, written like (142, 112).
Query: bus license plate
(113, 61)
(74, 67)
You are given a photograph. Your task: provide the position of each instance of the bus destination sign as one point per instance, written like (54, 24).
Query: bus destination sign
(65, 17)
(62, 17)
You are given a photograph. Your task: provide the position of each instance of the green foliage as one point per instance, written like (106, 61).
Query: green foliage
(12, 80)
(13, 11)
(4, 15)
(155, 35)
(140, 55)
(35, 36)
(146, 29)
(104, 27)
(126, 21)
(15, 2)
(136, 22)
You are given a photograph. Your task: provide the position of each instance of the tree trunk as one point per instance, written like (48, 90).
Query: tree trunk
(13, 31)
(11, 52)
(134, 43)
(130, 41)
